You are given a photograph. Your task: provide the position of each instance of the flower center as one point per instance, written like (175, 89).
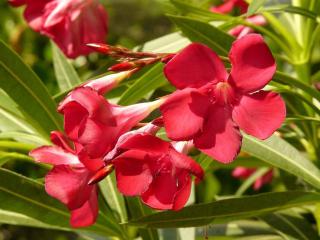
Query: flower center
(224, 93)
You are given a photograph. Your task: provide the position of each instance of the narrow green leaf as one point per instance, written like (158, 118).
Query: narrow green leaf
(227, 210)
(24, 137)
(169, 43)
(8, 217)
(283, 78)
(145, 82)
(198, 31)
(250, 180)
(137, 210)
(21, 195)
(254, 6)
(27, 90)
(114, 199)
(65, 73)
(291, 224)
(195, 11)
(277, 152)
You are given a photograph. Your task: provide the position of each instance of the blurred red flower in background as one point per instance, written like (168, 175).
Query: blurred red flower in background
(244, 173)
(71, 24)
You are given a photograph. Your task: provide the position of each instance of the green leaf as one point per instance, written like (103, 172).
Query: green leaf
(288, 80)
(114, 199)
(169, 43)
(226, 210)
(198, 31)
(145, 82)
(194, 11)
(277, 152)
(250, 180)
(21, 195)
(66, 76)
(137, 210)
(254, 6)
(24, 137)
(291, 224)
(27, 90)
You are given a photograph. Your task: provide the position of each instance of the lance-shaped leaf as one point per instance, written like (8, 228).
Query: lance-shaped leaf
(277, 152)
(25, 197)
(65, 73)
(227, 210)
(27, 90)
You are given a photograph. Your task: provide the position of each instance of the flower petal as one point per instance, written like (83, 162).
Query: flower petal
(161, 192)
(59, 139)
(260, 114)
(87, 214)
(69, 185)
(252, 63)
(183, 113)
(146, 142)
(195, 66)
(220, 138)
(183, 162)
(133, 174)
(92, 164)
(54, 155)
(183, 194)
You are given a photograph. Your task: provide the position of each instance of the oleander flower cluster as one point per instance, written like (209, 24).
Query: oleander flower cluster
(206, 112)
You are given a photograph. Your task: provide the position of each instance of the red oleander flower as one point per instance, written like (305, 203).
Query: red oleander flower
(71, 24)
(211, 104)
(68, 179)
(229, 5)
(244, 173)
(151, 168)
(95, 123)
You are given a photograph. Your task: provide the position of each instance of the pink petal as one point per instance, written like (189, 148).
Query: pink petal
(260, 114)
(243, 172)
(183, 162)
(161, 192)
(34, 14)
(59, 139)
(87, 214)
(183, 194)
(54, 155)
(147, 143)
(220, 138)
(252, 63)
(229, 5)
(183, 113)
(195, 66)
(224, 8)
(266, 178)
(74, 115)
(133, 174)
(69, 185)
(92, 164)
(17, 3)
(97, 138)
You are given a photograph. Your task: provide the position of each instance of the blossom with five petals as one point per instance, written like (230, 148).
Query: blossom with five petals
(211, 104)
(68, 179)
(244, 173)
(71, 24)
